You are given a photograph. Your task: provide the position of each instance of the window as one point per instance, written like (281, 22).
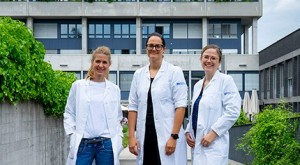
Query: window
(238, 79)
(196, 76)
(45, 30)
(268, 83)
(229, 31)
(163, 29)
(281, 74)
(214, 30)
(187, 30)
(180, 31)
(113, 77)
(124, 31)
(262, 87)
(274, 80)
(222, 30)
(125, 83)
(290, 78)
(251, 81)
(99, 31)
(70, 31)
(194, 30)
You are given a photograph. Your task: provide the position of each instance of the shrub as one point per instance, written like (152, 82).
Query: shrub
(271, 139)
(24, 75)
(242, 120)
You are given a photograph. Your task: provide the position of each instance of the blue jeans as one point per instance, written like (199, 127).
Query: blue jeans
(98, 148)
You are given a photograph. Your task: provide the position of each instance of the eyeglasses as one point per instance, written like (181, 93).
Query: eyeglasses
(151, 46)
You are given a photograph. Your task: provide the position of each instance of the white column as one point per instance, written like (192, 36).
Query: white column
(29, 23)
(254, 36)
(84, 36)
(246, 39)
(138, 40)
(204, 32)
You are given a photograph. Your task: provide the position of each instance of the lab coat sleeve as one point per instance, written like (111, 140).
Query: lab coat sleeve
(179, 88)
(133, 98)
(70, 111)
(231, 104)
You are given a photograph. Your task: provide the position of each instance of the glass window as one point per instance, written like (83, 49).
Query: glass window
(196, 76)
(124, 31)
(125, 80)
(163, 29)
(45, 30)
(268, 83)
(281, 74)
(251, 81)
(274, 80)
(113, 77)
(194, 30)
(290, 78)
(238, 79)
(99, 31)
(179, 30)
(70, 31)
(222, 30)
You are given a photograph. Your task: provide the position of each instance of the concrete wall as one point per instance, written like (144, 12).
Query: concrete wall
(233, 62)
(28, 137)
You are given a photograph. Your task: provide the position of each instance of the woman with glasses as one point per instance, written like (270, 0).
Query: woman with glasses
(93, 114)
(157, 101)
(215, 108)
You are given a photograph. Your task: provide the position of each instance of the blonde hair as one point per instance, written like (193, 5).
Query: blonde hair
(104, 50)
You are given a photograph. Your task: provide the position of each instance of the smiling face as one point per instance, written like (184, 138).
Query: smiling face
(155, 48)
(210, 61)
(100, 66)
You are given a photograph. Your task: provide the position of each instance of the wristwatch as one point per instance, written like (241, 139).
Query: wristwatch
(174, 136)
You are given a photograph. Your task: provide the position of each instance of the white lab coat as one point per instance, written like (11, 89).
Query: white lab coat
(219, 108)
(76, 112)
(169, 91)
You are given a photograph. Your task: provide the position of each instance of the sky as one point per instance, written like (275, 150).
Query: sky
(280, 18)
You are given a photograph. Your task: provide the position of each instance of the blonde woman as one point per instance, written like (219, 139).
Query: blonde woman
(93, 114)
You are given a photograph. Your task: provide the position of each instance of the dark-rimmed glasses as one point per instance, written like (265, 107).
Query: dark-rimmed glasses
(151, 46)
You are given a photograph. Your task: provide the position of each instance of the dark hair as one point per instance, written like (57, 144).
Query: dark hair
(158, 35)
(212, 46)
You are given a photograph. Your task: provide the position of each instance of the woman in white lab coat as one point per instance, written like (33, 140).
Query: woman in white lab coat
(216, 107)
(157, 101)
(93, 114)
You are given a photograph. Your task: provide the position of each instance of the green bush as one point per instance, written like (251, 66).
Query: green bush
(24, 75)
(242, 120)
(125, 135)
(272, 138)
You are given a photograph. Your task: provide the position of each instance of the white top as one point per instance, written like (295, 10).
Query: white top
(96, 124)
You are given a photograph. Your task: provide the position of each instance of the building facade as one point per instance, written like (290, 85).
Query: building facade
(279, 66)
(70, 30)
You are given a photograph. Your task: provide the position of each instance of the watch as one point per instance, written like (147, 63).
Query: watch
(174, 136)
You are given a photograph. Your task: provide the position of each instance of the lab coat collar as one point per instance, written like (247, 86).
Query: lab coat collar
(160, 71)
(215, 76)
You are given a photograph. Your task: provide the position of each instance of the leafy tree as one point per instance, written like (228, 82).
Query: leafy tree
(24, 75)
(272, 138)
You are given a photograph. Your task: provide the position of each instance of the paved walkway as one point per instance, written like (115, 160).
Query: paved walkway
(129, 159)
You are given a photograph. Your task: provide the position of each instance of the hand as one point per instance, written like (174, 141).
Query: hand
(208, 138)
(133, 146)
(189, 140)
(170, 146)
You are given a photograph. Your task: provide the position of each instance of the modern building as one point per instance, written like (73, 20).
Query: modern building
(279, 66)
(70, 30)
